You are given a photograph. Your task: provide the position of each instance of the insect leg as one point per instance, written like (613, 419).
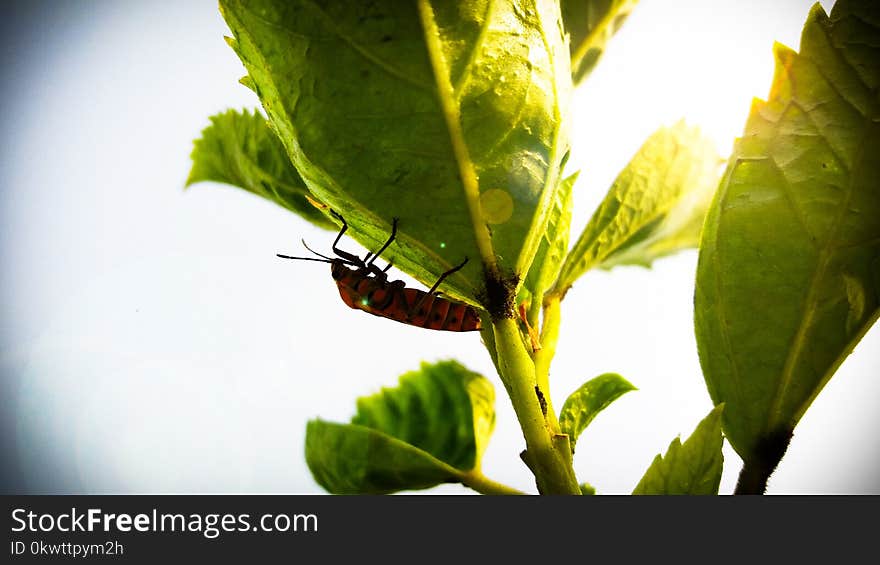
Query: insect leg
(369, 262)
(385, 246)
(421, 301)
(344, 254)
(446, 274)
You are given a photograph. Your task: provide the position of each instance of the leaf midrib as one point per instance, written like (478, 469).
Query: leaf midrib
(810, 302)
(451, 115)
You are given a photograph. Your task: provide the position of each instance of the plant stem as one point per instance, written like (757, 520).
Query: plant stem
(484, 485)
(762, 461)
(547, 456)
(752, 479)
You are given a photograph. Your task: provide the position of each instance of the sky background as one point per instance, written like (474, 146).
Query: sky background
(150, 341)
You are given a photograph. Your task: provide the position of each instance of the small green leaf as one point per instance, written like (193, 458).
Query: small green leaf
(247, 82)
(240, 149)
(554, 243)
(587, 489)
(788, 278)
(591, 24)
(450, 116)
(655, 207)
(587, 401)
(690, 468)
(432, 428)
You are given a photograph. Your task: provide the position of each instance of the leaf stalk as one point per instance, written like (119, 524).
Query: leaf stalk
(479, 482)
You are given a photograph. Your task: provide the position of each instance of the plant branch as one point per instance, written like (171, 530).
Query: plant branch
(547, 456)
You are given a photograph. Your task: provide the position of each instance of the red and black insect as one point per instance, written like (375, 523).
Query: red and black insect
(364, 286)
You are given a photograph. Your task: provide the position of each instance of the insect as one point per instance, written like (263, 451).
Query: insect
(364, 286)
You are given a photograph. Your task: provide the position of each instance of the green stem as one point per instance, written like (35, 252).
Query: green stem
(484, 485)
(546, 454)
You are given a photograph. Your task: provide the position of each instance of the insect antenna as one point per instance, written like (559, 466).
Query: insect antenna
(306, 245)
(323, 258)
(303, 258)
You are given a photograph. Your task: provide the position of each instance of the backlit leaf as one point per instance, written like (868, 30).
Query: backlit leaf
(240, 149)
(447, 115)
(587, 401)
(430, 429)
(591, 24)
(656, 205)
(789, 270)
(693, 467)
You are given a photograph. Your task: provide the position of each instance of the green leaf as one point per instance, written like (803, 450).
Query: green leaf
(690, 468)
(655, 206)
(554, 242)
(788, 276)
(432, 428)
(591, 24)
(587, 401)
(240, 149)
(449, 116)
(349, 459)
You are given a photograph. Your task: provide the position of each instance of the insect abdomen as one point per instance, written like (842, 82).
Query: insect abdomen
(437, 313)
(396, 302)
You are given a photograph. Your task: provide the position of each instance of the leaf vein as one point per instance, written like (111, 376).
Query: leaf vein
(363, 51)
(658, 212)
(466, 72)
(811, 297)
(806, 112)
(840, 56)
(788, 194)
(517, 120)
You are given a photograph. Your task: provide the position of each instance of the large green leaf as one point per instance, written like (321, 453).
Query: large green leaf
(591, 24)
(447, 115)
(789, 269)
(432, 428)
(588, 400)
(656, 205)
(240, 149)
(690, 468)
